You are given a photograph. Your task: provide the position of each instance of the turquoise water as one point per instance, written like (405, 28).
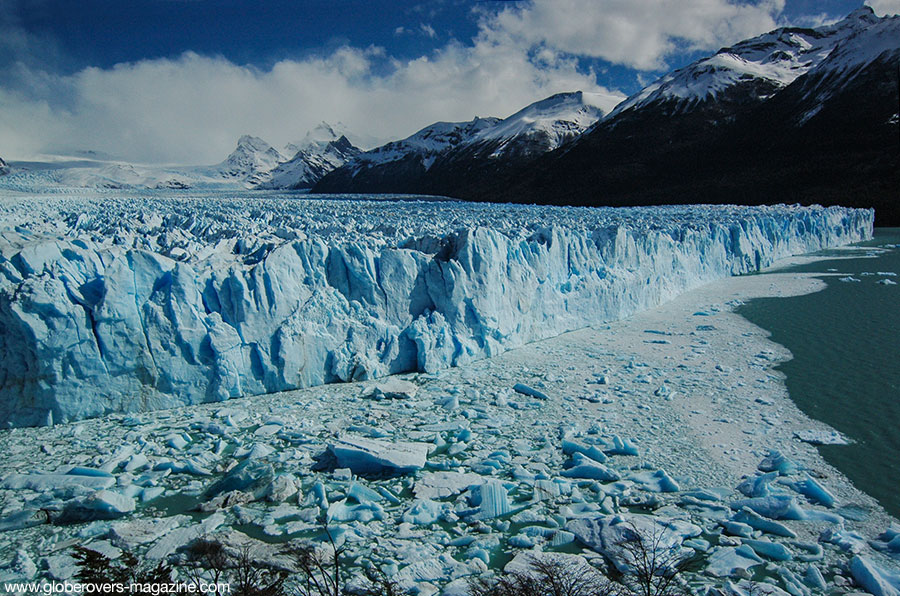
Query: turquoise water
(846, 367)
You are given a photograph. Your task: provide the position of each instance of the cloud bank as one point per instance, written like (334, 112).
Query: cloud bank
(191, 108)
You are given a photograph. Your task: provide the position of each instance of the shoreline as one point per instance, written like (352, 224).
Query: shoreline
(690, 382)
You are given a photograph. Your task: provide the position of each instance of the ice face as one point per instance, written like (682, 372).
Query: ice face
(124, 305)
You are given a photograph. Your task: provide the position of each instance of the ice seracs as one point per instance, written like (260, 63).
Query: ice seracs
(152, 304)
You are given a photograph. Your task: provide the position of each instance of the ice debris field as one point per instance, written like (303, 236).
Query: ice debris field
(672, 422)
(128, 304)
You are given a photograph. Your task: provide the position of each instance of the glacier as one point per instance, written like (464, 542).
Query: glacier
(113, 303)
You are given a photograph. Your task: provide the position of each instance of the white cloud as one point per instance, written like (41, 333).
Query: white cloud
(641, 35)
(884, 7)
(192, 108)
(427, 30)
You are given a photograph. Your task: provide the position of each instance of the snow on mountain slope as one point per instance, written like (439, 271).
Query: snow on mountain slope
(878, 42)
(424, 145)
(321, 151)
(446, 152)
(139, 303)
(4, 168)
(545, 125)
(761, 65)
(250, 162)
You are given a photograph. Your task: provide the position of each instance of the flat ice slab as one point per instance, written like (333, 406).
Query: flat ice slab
(371, 456)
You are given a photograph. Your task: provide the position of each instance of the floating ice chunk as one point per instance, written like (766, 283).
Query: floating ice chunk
(248, 476)
(128, 534)
(85, 471)
(698, 544)
(658, 481)
(849, 278)
(770, 550)
(20, 568)
(561, 537)
(523, 562)
(545, 490)
(773, 507)
(392, 388)
(363, 494)
(26, 518)
(792, 583)
(777, 462)
(104, 504)
(529, 391)
(607, 534)
(48, 482)
(886, 282)
(874, 579)
(757, 486)
(582, 466)
(257, 451)
(492, 499)
(151, 492)
(814, 579)
(727, 561)
(733, 528)
(812, 551)
(371, 456)
(846, 540)
(622, 447)
(181, 537)
(889, 539)
(440, 485)
(342, 511)
(815, 492)
(570, 447)
(177, 441)
(423, 512)
(758, 522)
(188, 466)
(822, 437)
(137, 462)
(282, 488)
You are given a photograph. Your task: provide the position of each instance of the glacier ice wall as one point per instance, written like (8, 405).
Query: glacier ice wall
(119, 305)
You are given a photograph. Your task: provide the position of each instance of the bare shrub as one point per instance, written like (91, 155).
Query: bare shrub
(546, 577)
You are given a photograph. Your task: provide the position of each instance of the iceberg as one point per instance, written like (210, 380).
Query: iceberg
(371, 456)
(133, 304)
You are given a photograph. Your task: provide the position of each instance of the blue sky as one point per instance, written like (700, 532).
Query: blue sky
(180, 80)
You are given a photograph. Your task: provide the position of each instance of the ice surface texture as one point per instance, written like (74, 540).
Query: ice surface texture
(131, 304)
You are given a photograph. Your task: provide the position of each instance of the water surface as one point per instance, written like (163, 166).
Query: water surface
(846, 366)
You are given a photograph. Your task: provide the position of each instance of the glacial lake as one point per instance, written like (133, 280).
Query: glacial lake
(846, 366)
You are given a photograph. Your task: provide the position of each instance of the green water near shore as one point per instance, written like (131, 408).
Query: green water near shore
(846, 366)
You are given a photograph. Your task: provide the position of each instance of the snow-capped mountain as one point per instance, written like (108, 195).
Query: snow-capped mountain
(806, 113)
(250, 162)
(446, 154)
(750, 71)
(4, 169)
(427, 144)
(542, 126)
(321, 151)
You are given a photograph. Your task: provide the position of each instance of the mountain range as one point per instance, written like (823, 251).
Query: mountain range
(805, 115)
(797, 115)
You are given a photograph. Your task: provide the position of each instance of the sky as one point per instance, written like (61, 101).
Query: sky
(178, 81)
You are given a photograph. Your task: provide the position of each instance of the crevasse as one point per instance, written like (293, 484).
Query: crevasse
(170, 307)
